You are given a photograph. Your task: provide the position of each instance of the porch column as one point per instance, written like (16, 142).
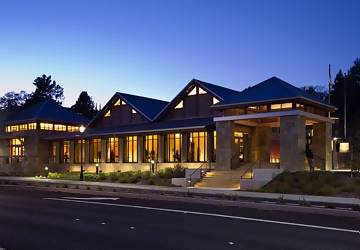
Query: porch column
(210, 145)
(224, 144)
(321, 145)
(292, 143)
(140, 152)
(184, 146)
(161, 156)
(58, 151)
(121, 149)
(61, 152)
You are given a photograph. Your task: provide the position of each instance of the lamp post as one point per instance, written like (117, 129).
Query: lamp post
(82, 130)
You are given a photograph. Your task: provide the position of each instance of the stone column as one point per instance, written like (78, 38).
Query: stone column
(57, 155)
(292, 143)
(61, 152)
(184, 146)
(161, 154)
(321, 145)
(121, 149)
(140, 153)
(224, 144)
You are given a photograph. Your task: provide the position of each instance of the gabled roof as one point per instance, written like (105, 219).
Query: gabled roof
(219, 92)
(272, 89)
(147, 107)
(47, 110)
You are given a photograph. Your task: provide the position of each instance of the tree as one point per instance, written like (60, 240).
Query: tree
(12, 99)
(85, 105)
(317, 91)
(46, 89)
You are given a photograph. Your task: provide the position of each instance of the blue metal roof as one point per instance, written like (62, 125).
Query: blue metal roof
(147, 106)
(47, 110)
(271, 89)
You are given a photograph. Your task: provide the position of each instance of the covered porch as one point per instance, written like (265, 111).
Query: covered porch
(274, 140)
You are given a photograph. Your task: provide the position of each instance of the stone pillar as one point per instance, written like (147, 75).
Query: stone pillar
(121, 149)
(184, 146)
(224, 144)
(161, 154)
(61, 152)
(58, 152)
(321, 145)
(292, 143)
(140, 153)
(103, 150)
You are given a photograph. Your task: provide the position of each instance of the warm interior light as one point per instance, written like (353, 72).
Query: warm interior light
(82, 129)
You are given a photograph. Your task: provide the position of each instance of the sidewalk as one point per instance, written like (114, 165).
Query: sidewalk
(181, 191)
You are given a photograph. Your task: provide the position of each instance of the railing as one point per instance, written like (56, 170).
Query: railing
(202, 171)
(248, 173)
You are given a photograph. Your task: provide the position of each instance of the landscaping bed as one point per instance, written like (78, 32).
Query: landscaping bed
(161, 178)
(315, 183)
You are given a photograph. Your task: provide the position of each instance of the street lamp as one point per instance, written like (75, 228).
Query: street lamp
(82, 130)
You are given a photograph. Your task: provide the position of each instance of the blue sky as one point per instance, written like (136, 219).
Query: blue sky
(153, 48)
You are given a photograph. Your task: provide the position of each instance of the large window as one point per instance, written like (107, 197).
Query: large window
(79, 151)
(95, 151)
(112, 149)
(130, 149)
(197, 150)
(173, 147)
(66, 154)
(17, 149)
(151, 147)
(46, 126)
(53, 152)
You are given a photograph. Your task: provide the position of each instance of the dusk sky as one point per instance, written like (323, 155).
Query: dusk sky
(154, 48)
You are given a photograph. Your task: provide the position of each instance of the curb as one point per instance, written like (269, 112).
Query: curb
(270, 198)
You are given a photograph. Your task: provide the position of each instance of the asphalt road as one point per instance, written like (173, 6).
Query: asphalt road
(31, 219)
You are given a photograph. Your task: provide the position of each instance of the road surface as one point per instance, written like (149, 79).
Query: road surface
(32, 219)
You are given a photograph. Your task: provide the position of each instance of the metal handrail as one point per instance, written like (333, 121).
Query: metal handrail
(251, 169)
(197, 169)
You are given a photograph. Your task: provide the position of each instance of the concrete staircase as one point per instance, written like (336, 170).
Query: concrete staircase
(222, 179)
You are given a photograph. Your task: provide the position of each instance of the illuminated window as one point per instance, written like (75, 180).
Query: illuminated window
(287, 105)
(17, 149)
(53, 152)
(133, 111)
(8, 129)
(112, 149)
(344, 147)
(73, 128)
(108, 114)
(59, 127)
(79, 151)
(180, 105)
(46, 126)
(66, 154)
(201, 91)
(95, 150)
(300, 106)
(214, 148)
(130, 149)
(23, 127)
(173, 147)
(256, 109)
(32, 126)
(192, 92)
(215, 100)
(151, 144)
(118, 102)
(197, 147)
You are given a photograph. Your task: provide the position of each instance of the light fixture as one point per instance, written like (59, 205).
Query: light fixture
(82, 129)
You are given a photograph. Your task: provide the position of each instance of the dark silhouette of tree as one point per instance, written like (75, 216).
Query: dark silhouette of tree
(317, 91)
(85, 105)
(12, 99)
(46, 89)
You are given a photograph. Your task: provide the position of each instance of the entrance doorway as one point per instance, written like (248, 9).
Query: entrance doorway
(241, 144)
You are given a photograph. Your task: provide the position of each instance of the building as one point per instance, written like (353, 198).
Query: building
(267, 126)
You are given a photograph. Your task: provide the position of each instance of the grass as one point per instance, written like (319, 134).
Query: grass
(316, 183)
(161, 178)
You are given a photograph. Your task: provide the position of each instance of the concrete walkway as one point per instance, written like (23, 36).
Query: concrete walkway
(217, 193)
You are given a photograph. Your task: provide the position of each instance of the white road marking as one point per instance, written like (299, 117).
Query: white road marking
(231, 243)
(210, 214)
(92, 198)
(132, 228)
(103, 223)
(77, 219)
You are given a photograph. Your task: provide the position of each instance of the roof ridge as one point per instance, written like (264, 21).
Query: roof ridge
(144, 97)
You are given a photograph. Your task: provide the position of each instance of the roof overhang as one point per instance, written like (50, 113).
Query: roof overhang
(274, 114)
